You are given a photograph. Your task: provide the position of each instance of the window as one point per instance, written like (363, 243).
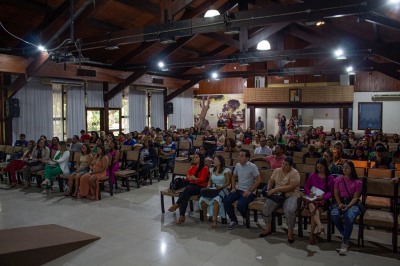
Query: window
(59, 111)
(125, 115)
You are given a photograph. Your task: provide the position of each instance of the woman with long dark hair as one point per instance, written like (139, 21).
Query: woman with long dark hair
(197, 176)
(321, 179)
(347, 191)
(220, 179)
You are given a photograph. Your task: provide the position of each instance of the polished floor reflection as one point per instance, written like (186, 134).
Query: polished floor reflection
(134, 232)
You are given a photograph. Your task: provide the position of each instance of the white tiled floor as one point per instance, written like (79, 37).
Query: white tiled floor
(134, 232)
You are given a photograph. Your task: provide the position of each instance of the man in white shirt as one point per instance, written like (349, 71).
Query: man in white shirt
(263, 149)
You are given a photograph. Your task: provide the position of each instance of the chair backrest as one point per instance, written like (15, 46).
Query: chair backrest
(305, 168)
(348, 151)
(9, 149)
(363, 164)
(235, 155)
(265, 175)
(256, 156)
(76, 156)
(197, 143)
(228, 162)
(132, 155)
(199, 137)
(248, 147)
(126, 147)
(361, 171)
(303, 179)
(184, 145)
(379, 187)
(225, 154)
(298, 160)
(230, 135)
(2, 148)
(311, 160)
(380, 173)
(298, 154)
(262, 164)
(396, 160)
(181, 168)
(18, 148)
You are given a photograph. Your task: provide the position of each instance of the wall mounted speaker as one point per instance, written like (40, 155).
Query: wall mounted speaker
(12, 108)
(169, 108)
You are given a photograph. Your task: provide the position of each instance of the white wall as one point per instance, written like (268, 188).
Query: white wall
(390, 113)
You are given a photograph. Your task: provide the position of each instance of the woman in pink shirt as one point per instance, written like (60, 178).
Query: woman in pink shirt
(347, 191)
(323, 180)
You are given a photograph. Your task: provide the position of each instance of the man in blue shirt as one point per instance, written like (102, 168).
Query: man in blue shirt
(167, 156)
(130, 141)
(22, 142)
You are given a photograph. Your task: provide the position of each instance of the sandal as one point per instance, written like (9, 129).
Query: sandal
(214, 224)
(91, 197)
(181, 220)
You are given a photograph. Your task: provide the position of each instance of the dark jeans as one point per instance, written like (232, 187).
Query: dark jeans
(169, 163)
(242, 204)
(184, 197)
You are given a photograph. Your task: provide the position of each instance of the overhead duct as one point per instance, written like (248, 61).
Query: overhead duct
(385, 96)
(68, 82)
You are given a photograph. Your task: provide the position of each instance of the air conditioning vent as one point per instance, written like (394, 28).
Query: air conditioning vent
(385, 96)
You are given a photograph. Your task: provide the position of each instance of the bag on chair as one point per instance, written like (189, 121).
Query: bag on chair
(178, 183)
(278, 197)
(209, 192)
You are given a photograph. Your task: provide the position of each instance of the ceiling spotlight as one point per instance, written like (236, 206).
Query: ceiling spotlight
(161, 64)
(350, 70)
(263, 45)
(320, 23)
(167, 40)
(42, 48)
(212, 12)
(339, 53)
(394, 2)
(214, 75)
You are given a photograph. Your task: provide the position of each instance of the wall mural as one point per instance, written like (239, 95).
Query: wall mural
(209, 108)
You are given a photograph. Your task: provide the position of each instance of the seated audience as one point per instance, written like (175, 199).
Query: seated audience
(323, 180)
(380, 160)
(263, 149)
(114, 156)
(220, 141)
(130, 141)
(76, 146)
(56, 166)
(197, 177)
(347, 191)
(230, 145)
(359, 155)
(333, 168)
(40, 155)
(394, 139)
(81, 168)
(167, 157)
(94, 136)
(312, 153)
(89, 183)
(248, 136)
(337, 157)
(84, 136)
(220, 179)
(292, 147)
(148, 159)
(55, 144)
(15, 165)
(22, 142)
(284, 181)
(248, 179)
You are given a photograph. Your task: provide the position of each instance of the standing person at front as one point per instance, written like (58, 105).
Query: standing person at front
(347, 191)
(248, 179)
(286, 181)
(197, 176)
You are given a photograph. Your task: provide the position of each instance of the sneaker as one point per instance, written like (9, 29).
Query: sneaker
(233, 225)
(344, 249)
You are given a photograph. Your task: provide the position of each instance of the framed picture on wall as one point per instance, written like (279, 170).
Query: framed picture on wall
(369, 115)
(294, 95)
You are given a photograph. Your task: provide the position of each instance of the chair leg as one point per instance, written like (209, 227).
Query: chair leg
(191, 205)
(255, 216)
(224, 221)
(60, 183)
(273, 224)
(305, 221)
(300, 226)
(111, 187)
(127, 184)
(280, 220)
(162, 202)
(248, 218)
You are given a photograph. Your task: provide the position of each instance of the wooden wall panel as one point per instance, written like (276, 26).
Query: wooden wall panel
(375, 82)
(320, 94)
(222, 86)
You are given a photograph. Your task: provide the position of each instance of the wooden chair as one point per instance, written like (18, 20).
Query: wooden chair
(305, 168)
(312, 161)
(248, 147)
(379, 202)
(180, 169)
(298, 154)
(262, 164)
(197, 143)
(225, 154)
(127, 173)
(108, 179)
(257, 204)
(362, 164)
(381, 188)
(183, 149)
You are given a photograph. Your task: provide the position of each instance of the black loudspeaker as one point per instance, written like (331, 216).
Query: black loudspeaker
(12, 108)
(169, 108)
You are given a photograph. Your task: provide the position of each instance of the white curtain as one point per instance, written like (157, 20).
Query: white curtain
(76, 115)
(137, 110)
(94, 95)
(183, 110)
(36, 111)
(157, 109)
(116, 101)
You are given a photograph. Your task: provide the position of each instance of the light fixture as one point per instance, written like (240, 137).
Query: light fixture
(350, 70)
(320, 23)
(315, 22)
(110, 46)
(212, 12)
(394, 2)
(214, 75)
(42, 48)
(243, 62)
(161, 64)
(168, 40)
(263, 45)
(232, 31)
(339, 53)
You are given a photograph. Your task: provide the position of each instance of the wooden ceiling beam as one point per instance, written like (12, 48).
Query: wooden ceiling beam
(224, 39)
(22, 79)
(134, 53)
(33, 5)
(121, 86)
(179, 5)
(104, 25)
(146, 6)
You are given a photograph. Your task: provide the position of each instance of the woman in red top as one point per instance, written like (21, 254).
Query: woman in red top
(197, 176)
